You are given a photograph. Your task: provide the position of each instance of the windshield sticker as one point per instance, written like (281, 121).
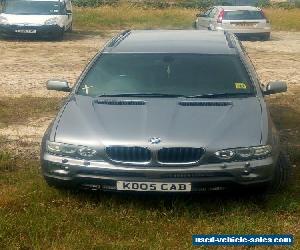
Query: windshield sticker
(240, 85)
(86, 88)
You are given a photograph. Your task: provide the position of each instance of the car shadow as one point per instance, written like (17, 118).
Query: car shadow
(207, 201)
(74, 36)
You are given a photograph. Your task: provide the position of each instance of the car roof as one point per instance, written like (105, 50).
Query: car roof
(171, 41)
(232, 8)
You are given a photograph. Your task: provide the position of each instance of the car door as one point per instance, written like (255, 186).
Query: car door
(202, 19)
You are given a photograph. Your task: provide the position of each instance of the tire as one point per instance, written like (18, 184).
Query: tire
(70, 29)
(282, 174)
(60, 36)
(211, 27)
(266, 37)
(195, 25)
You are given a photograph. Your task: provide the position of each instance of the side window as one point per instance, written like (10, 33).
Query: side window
(63, 8)
(213, 13)
(69, 5)
(208, 12)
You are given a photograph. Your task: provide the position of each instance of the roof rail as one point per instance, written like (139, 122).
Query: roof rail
(119, 38)
(231, 43)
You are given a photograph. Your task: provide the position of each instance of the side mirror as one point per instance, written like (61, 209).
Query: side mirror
(58, 85)
(275, 87)
(201, 15)
(69, 12)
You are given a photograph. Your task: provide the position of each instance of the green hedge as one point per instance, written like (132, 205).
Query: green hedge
(288, 5)
(94, 3)
(184, 3)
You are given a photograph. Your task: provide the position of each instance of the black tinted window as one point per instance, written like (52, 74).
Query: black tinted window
(243, 15)
(180, 74)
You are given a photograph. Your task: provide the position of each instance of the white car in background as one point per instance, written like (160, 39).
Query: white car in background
(244, 21)
(43, 18)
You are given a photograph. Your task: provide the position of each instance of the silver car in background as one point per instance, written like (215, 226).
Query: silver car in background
(243, 21)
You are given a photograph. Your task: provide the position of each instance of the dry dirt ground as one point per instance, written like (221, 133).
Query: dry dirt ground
(25, 66)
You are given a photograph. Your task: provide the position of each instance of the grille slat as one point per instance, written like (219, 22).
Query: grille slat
(121, 102)
(176, 155)
(204, 104)
(179, 155)
(128, 154)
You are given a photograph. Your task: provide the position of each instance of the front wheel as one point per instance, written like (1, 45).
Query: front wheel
(282, 173)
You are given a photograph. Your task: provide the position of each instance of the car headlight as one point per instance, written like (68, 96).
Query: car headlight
(225, 154)
(51, 21)
(3, 20)
(257, 152)
(87, 152)
(70, 150)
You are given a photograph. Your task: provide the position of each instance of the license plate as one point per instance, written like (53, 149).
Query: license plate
(26, 31)
(244, 24)
(153, 186)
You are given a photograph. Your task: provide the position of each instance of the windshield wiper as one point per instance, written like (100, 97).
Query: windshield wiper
(221, 95)
(142, 95)
(160, 95)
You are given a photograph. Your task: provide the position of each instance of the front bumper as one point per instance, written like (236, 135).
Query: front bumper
(104, 175)
(40, 31)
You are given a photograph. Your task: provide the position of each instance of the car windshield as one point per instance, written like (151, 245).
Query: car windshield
(243, 15)
(23, 7)
(166, 74)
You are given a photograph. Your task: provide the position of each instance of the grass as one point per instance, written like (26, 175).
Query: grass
(284, 19)
(19, 110)
(129, 17)
(126, 16)
(285, 113)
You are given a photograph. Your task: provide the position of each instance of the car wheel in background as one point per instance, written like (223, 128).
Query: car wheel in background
(70, 29)
(266, 37)
(195, 25)
(60, 36)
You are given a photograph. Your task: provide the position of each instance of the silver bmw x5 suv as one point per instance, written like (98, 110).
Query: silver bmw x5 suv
(165, 111)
